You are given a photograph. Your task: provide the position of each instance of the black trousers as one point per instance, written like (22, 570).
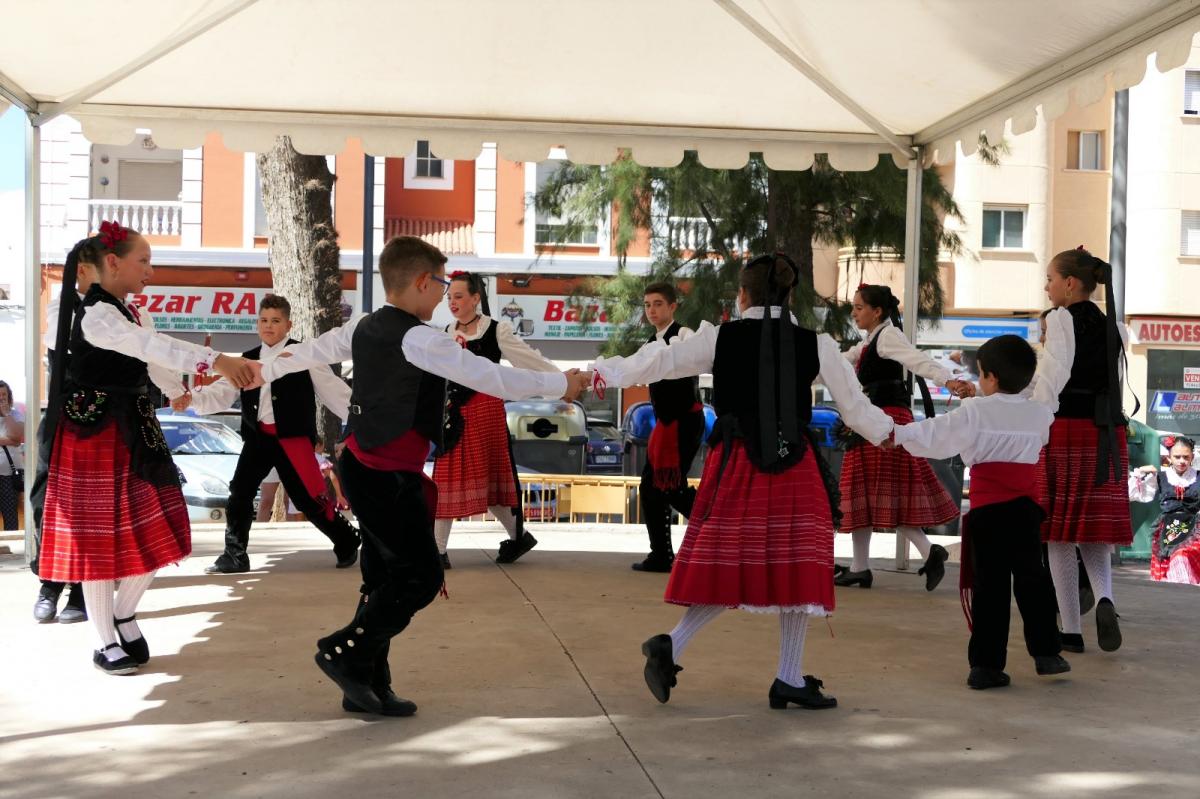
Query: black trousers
(656, 503)
(1006, 552)
(261, 453)
(401, 567)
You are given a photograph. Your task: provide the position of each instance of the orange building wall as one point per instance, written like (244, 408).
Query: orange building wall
(222, 198)
(348, 208)
(510, 206)
(458, 204)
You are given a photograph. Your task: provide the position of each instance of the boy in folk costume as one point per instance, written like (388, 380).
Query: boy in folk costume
(760, 536)
(675, 440)
(279, 428)
(114, 508)
(397, 414)
(1000, 435)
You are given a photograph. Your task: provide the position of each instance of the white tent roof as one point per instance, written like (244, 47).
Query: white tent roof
(852, 78)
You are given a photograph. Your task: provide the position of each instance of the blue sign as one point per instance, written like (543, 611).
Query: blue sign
(991, 331)
(1163, 402)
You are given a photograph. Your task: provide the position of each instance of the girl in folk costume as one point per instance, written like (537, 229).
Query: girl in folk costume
(1083, 472)
(1175, 550)
(760, 536)
(889, 488)
(114, 509)
(476, 472)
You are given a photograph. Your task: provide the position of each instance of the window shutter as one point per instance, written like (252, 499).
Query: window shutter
(1191, 92)
(1189, 233)
(149, 180)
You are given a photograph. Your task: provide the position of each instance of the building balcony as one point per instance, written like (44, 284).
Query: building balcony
(451, 236)
(690, 234)
(161, 221)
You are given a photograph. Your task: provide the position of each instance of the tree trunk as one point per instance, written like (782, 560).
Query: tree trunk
(790, 230)
(297, 192)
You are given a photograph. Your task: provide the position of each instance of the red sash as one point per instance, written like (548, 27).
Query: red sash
(991, 484)
(663, 453)
(299, 451)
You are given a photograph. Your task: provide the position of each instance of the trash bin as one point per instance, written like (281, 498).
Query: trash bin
(1144, 445)
(548, 436)
(824, 424)
(950, 472)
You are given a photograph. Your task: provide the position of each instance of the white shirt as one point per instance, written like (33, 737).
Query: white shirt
(168, 381)
(683, 333)
(895, 347)
(694, 356)
(1143, 486)
(432, 351)
(220, 396)
(512, 347)
(104, 326)
(1001, 428)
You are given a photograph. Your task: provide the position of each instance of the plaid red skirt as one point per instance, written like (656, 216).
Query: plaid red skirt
(102, 521)
(478, 472)
(758, 541)
(1077, 510)
(889, 488)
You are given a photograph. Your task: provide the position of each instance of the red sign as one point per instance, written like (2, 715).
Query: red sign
(1166, 331)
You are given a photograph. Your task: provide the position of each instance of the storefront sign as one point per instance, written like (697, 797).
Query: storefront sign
(211, 310)
(538, 316)
(965, 331)
(1191, 377)
(1165, 331)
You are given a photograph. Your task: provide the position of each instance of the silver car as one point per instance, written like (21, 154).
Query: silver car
(206, 454)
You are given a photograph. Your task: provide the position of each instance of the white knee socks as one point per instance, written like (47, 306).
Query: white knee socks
(792, 627)
(98, 595)
(1097, 559)
(507, 518)
(917, 536)
(441, 533)
(129, 594)
(1066, 584)
(862, 550)
(693, 619)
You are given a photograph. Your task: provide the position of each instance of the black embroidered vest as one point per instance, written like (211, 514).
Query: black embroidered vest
(882, 378)
(293, 403)
(671, 399)
(486, 346)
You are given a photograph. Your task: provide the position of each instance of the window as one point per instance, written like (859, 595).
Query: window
(428, 165)
(553, 229)
(152, 181)
(1191, 92)
(1004, 228)
(1085, 149)
(1189, 233)
(424, 170)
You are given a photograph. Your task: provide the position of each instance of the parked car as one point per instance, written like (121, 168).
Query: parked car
(206, 454)
(604, 448)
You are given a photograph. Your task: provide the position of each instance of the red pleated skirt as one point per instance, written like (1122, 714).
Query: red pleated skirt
(758, 541)
(478, 472)
(102, 521)
(1078, 510)
(889, 488)
(1182, 567)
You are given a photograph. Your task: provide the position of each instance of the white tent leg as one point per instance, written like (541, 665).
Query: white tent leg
(33, 315)
(912, 284)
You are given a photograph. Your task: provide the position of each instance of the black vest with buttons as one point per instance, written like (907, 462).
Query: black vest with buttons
(391, 396)
(293, 403)
(882, 378)
(486, 346)
(672, 399)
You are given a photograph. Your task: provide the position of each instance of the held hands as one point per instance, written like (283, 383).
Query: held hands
(1148, 469)
(961, 388)
(182, 402)
(577, 383)
(239, 371)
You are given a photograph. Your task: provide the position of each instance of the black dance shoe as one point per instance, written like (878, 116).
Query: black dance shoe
(1087, 599)
(935, 566)
(346, 552)
(839, 569)
(511, 550)
(982, 678)
(137, 649)
(391, 704)
(354, 687)
(1108, 630)
(446, 561)
(660, 668)
(75, 610)
(1072, 642)
(1051, 664)
(46, 608)
(808, 697)
(122, 665)
(226, 564)
(660, 564)
(847, 578)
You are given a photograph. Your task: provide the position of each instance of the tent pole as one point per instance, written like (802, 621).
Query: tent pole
(11, 91)
(368, 250)
(912, 285)
(1120, 184)
(33, 312)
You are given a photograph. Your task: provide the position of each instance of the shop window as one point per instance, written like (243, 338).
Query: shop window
(1085, 149)
(1173, 391)
(424, 170)
(1189, 233)
(1003, 228)
(1191, 92)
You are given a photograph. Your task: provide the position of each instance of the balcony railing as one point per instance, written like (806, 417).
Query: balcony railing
(693, 234)
(149, 217)
(451, 236)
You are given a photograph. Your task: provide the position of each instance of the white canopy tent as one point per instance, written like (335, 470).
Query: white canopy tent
(788, 78)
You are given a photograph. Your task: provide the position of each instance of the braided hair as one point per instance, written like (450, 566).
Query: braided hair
(768, 280)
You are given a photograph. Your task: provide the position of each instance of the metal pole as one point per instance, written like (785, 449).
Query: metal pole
(912, 286)
(33, 313)
(368, 248)
(1120, 185)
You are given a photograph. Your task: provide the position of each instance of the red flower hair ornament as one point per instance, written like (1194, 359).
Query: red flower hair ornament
(111, 233)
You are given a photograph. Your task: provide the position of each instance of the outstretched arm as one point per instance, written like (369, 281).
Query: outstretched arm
(518, 353)
(1058, 355)
(856, 410)
(333, 346)
(437, 353)
(657, 361)
(940, 437)
(331, 390)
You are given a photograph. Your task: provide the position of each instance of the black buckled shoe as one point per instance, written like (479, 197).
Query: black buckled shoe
(848, 578)
(446, 561)
(137, 648)
(391, 704)
(75, 610)
(511, 550)
(1051, 664)
(333, 658)
(660, 564)
(982, 678)
(1072, 642)
(45, 610)
(660, 668)
(935, 566)
(808, 696)
(1108, 629)
(226, 564)
(120, 666)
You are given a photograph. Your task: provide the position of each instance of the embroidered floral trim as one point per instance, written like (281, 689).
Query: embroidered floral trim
(85, 406)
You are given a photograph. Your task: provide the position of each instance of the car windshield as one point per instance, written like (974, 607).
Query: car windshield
(201, 438)
(603, 432)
